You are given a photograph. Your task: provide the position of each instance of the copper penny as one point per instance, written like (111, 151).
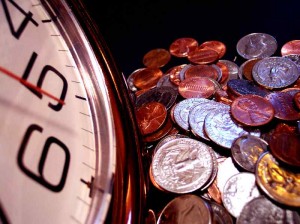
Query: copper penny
(252, 110)
(147, 78)
(297, 100)
(161, 132)
(174, 74)
(284, 144)
(201, 71)
(291, 47)
(215, 45)
(196, 87)
(156, 58)
(150, 117)
(225, 72)
(284, 106)
(245, 70)
(203, 56)
(182, 46)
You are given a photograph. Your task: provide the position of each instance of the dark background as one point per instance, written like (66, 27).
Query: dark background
(131, 29)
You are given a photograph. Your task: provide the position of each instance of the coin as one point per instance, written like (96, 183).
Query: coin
(246, 150)
(225, 73)
(283, 105)
(256, 45)
(263, 210)
(252, 110)
(181, 47)
(220, 214)
(196, 87)
(197, 116)
(203, 56)
(233, 68)
(275, 72)
(297, 100)
(156, 58)
(245, 70)
(238, 190)
(174, 74)
(146, 78)
(215, 45)
(222, 130)
(285, 145)
(238, 87)
(164, 94)
(202, 71)
(278, 182)
(182, 110)
(150, 117)
(186, 209)
(290, 47)
(182, 165)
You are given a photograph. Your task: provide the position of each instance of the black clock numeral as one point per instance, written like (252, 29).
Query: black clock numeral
(46, 70)
(42, 161)
(27, 18)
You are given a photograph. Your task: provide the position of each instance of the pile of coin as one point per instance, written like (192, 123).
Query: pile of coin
(222, 140)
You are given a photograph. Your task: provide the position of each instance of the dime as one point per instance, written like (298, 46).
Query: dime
(146, 78)
(246, 150)
(263, 210)
(186, 209)
(156, 58)
(181, 47)
(164, 94)
(252, 110)
(275, 72)
(256, 45)
(222, 130)
(278, 182)
(165, 81)
(196, 87)
(238, 190)
(225, 73)
(233, 68)
(182, 165)
(150, 117)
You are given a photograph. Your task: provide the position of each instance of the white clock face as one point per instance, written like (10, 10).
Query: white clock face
(56, 132)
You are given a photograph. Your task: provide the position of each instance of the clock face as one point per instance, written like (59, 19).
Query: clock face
(57, 133)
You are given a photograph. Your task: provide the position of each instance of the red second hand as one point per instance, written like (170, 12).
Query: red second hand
(28, 84)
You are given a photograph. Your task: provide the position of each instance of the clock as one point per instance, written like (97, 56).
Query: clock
(70, 149)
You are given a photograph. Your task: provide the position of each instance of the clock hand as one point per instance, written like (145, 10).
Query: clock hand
(28, 84)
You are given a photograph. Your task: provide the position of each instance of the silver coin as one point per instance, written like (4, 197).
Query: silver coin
(198, 114)
(275, 72)
(182, 165)
(165, 95)
(262, 210)
(183, 70)
(256, 45)
(167, 139)
(294, 58)
(232, 67)
(246, 150)
(182, 110)
(165, 81)
(187, 208)
(221, 129)
(238, 190)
